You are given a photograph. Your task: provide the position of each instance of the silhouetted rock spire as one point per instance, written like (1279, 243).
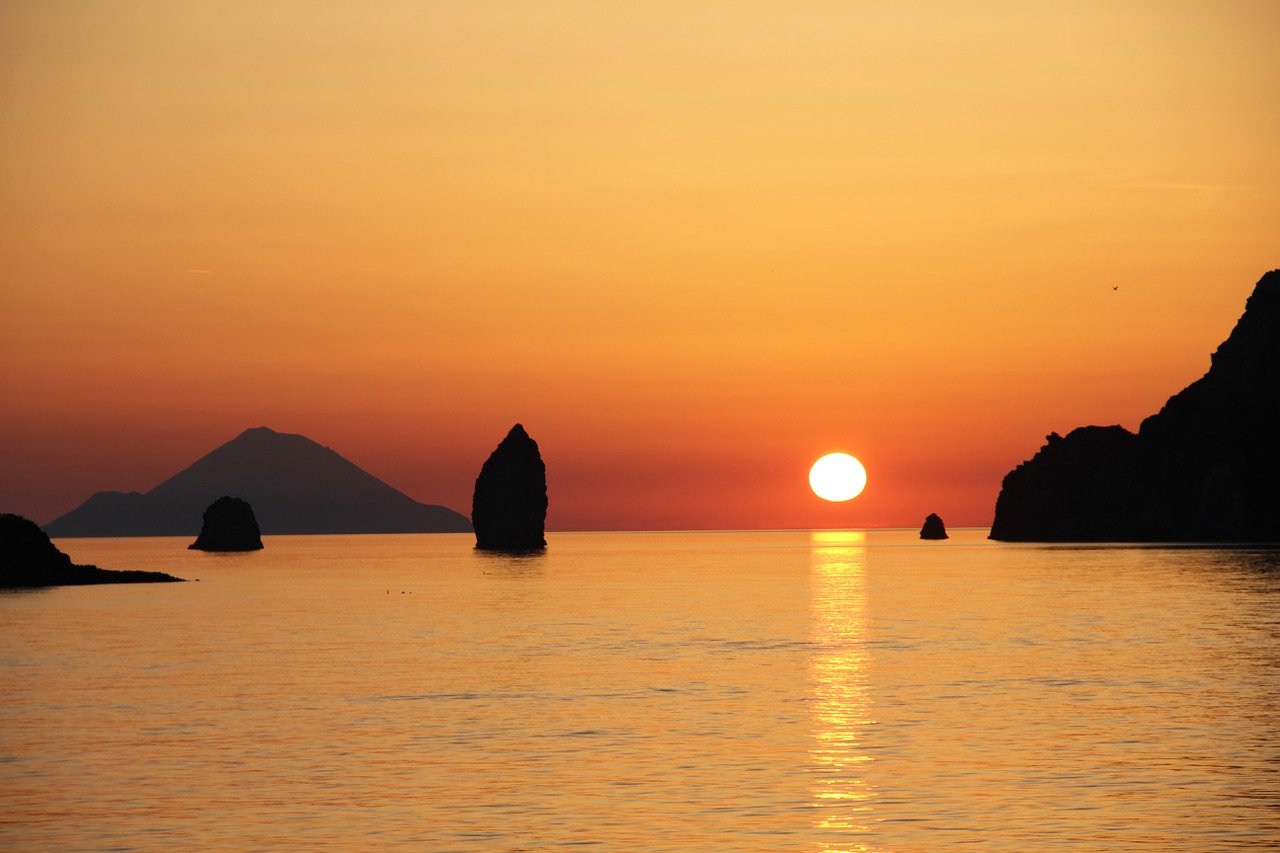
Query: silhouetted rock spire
(1204, 468)
(933, 528)
(509, 506)
(228, 525)
(28, 558)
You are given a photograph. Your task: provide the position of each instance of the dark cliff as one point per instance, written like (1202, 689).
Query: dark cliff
(29, 559)
(229, 525)
(509, 506)
(1204, 468)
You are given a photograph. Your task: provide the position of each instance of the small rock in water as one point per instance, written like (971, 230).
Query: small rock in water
(509, 506)
(933, 528)
(1202, 469)
(229, 525)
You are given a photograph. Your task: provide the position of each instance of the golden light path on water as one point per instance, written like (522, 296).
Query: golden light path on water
(842, 798)
(765, 692)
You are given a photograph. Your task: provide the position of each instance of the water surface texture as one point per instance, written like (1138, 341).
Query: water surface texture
(826, 691)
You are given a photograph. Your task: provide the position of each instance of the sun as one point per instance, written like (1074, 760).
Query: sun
(837, 477)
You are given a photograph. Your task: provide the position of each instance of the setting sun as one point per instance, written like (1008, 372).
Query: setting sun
(837, 477)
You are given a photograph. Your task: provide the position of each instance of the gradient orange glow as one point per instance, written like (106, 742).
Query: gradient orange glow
(690, 246)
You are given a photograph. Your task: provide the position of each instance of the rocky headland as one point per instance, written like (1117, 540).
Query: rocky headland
(933, 528)
(1205, 468)
(29, 559)
(509, 505)
(229, 525)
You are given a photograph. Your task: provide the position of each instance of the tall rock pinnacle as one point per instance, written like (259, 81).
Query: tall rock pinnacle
(509, 505)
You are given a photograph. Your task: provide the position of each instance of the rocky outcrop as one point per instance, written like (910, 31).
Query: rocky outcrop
(1204, 468)
(294, 484)
(933, 528)
(29, 559)
(509, 505)
(228, 525)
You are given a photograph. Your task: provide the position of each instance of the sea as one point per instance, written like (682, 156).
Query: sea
(807, 691)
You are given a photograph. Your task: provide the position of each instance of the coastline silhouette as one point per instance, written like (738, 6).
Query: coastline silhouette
(29, 559)
(1204, 468)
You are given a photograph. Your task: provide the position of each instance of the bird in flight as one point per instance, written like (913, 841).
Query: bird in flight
(1115, 287)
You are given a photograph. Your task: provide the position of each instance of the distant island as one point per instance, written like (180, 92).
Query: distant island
(29, 559)
(294, 484)
(1205, 468)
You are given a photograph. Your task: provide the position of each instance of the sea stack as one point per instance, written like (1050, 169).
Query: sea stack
(29, 559)
(229, 525)
(1202, 469)
(933, 528)
(509, 505)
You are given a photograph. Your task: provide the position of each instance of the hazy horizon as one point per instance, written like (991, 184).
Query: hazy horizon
(462, 510)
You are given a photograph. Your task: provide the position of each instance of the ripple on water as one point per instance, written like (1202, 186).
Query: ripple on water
(675, 692)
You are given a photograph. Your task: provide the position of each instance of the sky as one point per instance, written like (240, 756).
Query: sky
(690, 246)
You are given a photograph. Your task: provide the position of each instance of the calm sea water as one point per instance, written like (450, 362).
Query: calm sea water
(635, 692)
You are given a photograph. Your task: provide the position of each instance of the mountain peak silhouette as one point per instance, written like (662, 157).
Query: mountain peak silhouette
(294, 484)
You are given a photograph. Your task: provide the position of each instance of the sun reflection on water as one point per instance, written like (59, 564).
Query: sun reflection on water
(838, 670)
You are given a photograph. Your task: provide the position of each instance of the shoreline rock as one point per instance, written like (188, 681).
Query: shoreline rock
(28, 559)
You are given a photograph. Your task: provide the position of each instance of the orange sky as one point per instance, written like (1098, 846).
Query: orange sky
(691, 246)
